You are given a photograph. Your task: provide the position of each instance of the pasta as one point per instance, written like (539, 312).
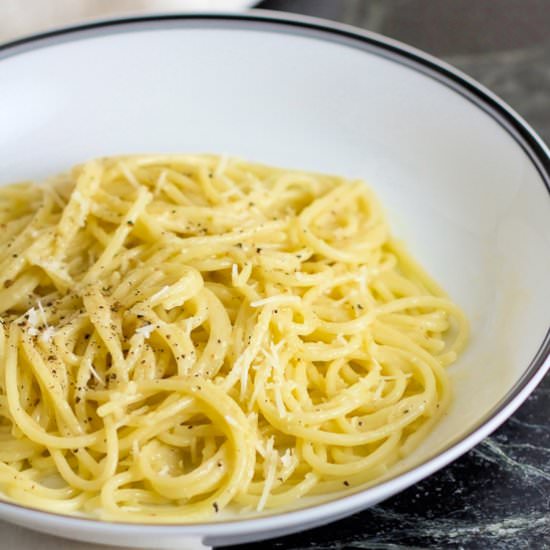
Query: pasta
(186, 334)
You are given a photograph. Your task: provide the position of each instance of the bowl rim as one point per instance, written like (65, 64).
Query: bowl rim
(403, 54)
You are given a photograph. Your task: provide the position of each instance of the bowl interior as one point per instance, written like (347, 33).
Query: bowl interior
(457, 186)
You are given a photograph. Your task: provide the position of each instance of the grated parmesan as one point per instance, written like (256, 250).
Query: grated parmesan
(145, 330)
(272, 355)
(270, 472)
(32, 317)
(48, 334)
(288, 459)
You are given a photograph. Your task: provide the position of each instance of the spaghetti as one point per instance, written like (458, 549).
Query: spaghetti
(184, 333)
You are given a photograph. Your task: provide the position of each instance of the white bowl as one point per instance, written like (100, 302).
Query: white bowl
(464, 179)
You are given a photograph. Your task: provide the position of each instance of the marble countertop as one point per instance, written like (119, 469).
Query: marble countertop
(497, 496)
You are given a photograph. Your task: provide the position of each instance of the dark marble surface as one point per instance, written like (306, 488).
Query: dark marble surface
(496, 497)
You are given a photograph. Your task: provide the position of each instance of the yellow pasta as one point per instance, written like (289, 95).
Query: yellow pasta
(184, 334)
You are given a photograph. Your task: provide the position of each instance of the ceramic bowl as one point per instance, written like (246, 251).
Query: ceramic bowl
(465, 182)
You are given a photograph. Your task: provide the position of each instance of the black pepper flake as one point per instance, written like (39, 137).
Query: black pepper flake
(77, 399)
(14, 255)
(346, 483)
(216, 507)
(130, 222)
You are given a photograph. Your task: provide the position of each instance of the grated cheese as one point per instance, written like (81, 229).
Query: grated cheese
(145, 330)
(32, 317)
(270, 473)
(288, 459)
(48, 334)
(274, 359)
